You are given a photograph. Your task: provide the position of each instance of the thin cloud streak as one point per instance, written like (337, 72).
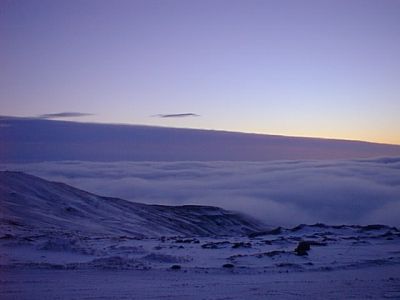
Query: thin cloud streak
(183, 115)
(64, 115)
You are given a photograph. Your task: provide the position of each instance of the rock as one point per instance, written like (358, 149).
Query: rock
(275, 231)
(187, 241)
(215, 245)
(298, 227)
(373, 227)
(176, 267)
(228, 266)
(319, 225)
(302, 248)
(241, 245)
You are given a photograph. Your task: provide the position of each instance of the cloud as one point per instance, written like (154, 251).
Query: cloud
(279, 193)
(64, 115)
(184, 115)
(33, 139)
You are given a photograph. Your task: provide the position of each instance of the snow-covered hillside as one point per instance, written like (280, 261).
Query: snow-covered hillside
(32, 202)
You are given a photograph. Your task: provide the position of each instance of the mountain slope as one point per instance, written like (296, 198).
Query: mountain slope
(32, 202)
(27, 140)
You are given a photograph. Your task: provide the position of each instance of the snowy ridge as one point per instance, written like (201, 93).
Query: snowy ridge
(32, 202)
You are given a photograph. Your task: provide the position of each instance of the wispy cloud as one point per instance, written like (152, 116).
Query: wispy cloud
(183, 115)
(64, 115)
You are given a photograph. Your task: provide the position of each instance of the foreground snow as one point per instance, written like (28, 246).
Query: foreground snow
(343, 262)
(370, 283)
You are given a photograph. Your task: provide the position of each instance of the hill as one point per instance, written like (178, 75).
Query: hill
(33, 204)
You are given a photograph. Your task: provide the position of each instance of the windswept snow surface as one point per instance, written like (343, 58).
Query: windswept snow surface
(57, 242)
(371, 283)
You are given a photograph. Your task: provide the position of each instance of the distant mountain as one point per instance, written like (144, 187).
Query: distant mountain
(28, 140)
(30, 203)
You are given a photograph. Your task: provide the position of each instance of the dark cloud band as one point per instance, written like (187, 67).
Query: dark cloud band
(184, 115)
(64, 115)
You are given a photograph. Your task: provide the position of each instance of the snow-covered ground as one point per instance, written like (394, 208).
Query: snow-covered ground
(331, 248)
(371, 283)
(343, 262)
(349, 262)
(42, 256)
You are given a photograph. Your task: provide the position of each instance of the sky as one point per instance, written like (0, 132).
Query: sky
(304, 68)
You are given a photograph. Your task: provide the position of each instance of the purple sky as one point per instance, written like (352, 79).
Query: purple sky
(307, 68)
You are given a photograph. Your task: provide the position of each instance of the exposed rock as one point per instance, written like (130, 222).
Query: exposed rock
(298, 227)
(176, 267)
(302, 248)
(241, 245)
(373, 227)
(274, 231)
(187, 241)
(215, 245)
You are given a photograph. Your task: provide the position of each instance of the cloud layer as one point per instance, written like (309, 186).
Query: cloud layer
(279, 193)
(34, 140)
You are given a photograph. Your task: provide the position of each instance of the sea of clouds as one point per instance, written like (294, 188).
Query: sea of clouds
(279, 193)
